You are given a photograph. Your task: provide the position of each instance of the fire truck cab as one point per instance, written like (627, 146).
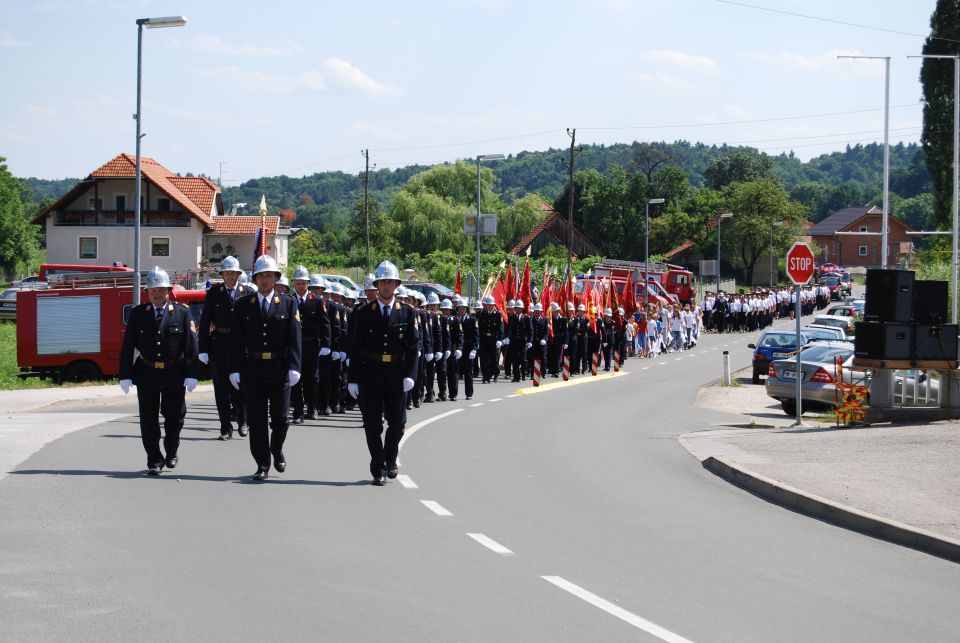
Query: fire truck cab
(676, 280)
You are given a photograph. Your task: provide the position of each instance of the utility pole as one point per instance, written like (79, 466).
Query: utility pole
(572, 133)
(220, 180)
(366, 201)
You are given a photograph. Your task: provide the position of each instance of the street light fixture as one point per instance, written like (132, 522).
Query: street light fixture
(720, 218)
(481, 157)
(646, 245)
(149, 23)
(774, 224)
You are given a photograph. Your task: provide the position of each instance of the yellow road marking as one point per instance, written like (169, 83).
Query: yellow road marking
(581, 379)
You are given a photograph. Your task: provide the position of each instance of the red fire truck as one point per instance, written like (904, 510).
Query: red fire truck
(655, 293)
(73, 331)
(676, 280)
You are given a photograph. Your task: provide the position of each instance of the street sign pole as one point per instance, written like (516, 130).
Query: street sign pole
(799, 269)
(799, 377)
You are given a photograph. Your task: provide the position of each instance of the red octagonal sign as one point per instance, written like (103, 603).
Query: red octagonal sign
(799, 263)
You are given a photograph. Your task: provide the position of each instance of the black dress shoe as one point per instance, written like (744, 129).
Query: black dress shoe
(280, 463)
(224, 437)
(392, 471)
(453, 399)
(409, 406)
(261, 474)
(325, 411)
(171, 462)
(154, 469)
(379, 480)
(469, 397)
(443, 398)
(311, 415)
(416, 404)
(242, 431)
(296, 420)
(340, 410)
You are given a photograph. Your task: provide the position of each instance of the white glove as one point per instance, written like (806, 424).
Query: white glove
(506, 341)
(564, 347)
(604, 344)
(543, 342)
(446, 354)
(335, 356)
(419, 354)
(457, 354)
(190, 383)
(407, 384)
(437, 356)
(324, 351)
(348, 362)
(529, 344)
(499, 343)
(473, 354)
(354, 391)
(125, 386)
(343, 356)
(235, 380)
(203, 357)
(293, 377)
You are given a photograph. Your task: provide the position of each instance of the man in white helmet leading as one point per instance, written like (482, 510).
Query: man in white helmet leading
(265, 356)
(164, 335)
(383, 369)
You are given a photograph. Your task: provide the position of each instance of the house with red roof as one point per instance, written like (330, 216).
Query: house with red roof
(850, 237)
(553, 230)
(182, 225)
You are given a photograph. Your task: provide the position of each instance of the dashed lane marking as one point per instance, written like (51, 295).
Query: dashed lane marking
(491, 544)
(615, 610)
(435, 507)
(476, 404)
(407, 482)
(419, 425)
(513, 395)
(496, 399)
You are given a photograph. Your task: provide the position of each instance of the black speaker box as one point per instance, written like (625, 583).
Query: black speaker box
(889, 296)
(934, 341)
(930, 300)
(882, 341)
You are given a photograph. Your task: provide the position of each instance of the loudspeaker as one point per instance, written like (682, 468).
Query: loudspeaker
(889, 295)
(882, 341)
(935, 341)
(930, 302)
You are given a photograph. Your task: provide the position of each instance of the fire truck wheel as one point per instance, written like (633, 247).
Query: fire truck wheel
(80, 372)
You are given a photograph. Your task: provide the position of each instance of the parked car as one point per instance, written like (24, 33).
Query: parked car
(773, 345)
(846, 280)
(823, 333)
(837, 321)
(33, 281)
(427, 287)
(8, 304)
(343, 280)
(860, 305)
(834, 284)
(842, 310)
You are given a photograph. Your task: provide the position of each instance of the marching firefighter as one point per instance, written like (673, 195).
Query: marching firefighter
(315, 341)
(329, 358)
(214, 344)
(434, 360)
(519, 332)
(540, 334)
(454, 331)
(265, 355)
(164, 335)
(490, 326)
(558, 343)
(607, 327)
(383, 367)
(468, 323)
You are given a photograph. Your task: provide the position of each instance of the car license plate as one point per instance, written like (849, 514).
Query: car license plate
(788, 375)
(780, 354)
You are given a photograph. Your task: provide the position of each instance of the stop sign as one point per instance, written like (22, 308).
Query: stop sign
(799, 263)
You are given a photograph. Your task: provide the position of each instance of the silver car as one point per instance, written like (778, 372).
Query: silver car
(818, 382)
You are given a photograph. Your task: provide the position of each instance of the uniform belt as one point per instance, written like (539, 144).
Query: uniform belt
(386, 359)
(162, 365)
(263, 355)
(225, 331)
(489, 334)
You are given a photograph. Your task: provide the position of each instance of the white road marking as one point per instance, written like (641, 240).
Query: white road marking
(663, 363)
(677, 359)
(715, 348)
(419, 425)
(477, 404)
(496, 399)
(407, 482)
(490, 544)
(615, 610)
(436, 507)
(514, 395)
(644, 368)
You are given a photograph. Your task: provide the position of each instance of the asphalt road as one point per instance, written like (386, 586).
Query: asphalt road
(571, 514)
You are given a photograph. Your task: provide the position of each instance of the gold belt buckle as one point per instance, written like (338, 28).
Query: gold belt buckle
(387, 359)
(159, 365)
(266, 356)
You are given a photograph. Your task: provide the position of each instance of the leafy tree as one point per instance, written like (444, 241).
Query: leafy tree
(649, 157)
(18, 237)
(936, 77)
(738, 166)
(918, 212)
(383, 241)
(520, 218)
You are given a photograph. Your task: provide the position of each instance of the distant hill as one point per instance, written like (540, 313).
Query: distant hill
(326, 199)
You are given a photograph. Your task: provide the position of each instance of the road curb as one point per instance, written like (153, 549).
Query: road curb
(834, 512)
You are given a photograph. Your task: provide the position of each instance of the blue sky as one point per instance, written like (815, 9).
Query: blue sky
(295, 87)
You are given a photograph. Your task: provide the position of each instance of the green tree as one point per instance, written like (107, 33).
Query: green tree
(18, 237)
(936, 78)
(519, 218)
(383, 241)
(738, 166)
(917, 212)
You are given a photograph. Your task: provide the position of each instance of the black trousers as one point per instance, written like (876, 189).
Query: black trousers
(227, 397)
(466, 369)
(556, 356)
(489, 358)
(431, 374)
(418, 385)
(514, 365)
(322, 386)
(264, 398)
(305, 392)
(375, 406)
(453, 371)
(156, 401)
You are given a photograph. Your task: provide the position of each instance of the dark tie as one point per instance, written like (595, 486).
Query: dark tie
(263, 306)
(232, 293)
(386, 314)
(159, 314)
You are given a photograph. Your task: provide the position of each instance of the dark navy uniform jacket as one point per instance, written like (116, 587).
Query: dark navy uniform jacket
(314, 331)
(560, 330)
(453, 331)
(217, 316)
(490, 325)
(519, 329)
(471, 338)
(382, 353)
(264, 349)
(168, 350)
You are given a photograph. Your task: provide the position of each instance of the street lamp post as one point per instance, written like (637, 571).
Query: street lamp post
(646, 246)
(773, 224)
(720, 218)
(481, 157)
(149, 23)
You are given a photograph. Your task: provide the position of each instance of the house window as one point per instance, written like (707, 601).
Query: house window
(160, 246)
(862, 251)
(864, 228)
(95, 204)
(87, 248)
(163, 205)
(120, 202)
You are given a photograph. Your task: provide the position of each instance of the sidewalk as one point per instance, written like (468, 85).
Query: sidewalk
(879, 479)
(48, 399)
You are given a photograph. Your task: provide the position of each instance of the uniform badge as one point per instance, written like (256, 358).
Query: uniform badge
(276, 299)
(396, 306)
(296, 315)
(253, 301)
(169, 308)
(193, 327)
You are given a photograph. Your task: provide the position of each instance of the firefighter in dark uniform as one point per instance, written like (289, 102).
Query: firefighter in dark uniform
(338, 370)
(608, 327)
(454, 332)
(425, 348)
(383, 368)
(329, 356)
(214, 344)
(558, 343)
(539, 338)
(468, 323)
(315, 336)
(435, 358)
(490, 325)
(621, 335)
(583, 340)
(164, 335)
(519, 332)
(594, 339)
(265, 355)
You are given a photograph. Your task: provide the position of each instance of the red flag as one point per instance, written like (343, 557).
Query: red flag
(615, 304)
(457, 288)
(511, 280)
(499, 298)
(629, 300)
(545, 298)
(524, 293)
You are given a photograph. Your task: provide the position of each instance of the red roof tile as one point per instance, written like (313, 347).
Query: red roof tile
(243, 224)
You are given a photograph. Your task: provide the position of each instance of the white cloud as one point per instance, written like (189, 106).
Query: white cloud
(819, 63)
(219, 119)
(47, 112)
(666, 84)
(351, 77)
(675, 58)
(379, 128)
(9, 42)
(217, 45)
(336, 74)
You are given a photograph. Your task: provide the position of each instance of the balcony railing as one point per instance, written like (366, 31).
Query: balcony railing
(121, 218)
